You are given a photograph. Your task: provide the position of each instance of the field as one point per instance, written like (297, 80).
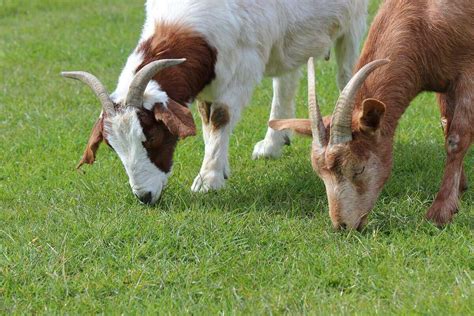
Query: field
(81, 243)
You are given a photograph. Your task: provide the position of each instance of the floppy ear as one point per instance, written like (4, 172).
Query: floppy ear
(95, 139)
(373, 112)
(177, 118)
(299, 126)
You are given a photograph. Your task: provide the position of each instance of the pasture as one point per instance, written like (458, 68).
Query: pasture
(81, 243)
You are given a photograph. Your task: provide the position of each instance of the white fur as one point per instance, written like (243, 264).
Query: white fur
(254, 38)
(125, 135)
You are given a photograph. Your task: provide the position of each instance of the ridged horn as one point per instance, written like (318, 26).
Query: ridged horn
(341, 127)
(97, 87)
(143, 77)
(317, 125)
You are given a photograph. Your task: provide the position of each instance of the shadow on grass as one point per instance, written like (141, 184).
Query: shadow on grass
(290, 188)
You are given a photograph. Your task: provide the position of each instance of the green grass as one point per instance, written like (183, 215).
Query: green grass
(80, 243)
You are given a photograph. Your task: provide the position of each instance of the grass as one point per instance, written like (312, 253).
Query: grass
(80, 243)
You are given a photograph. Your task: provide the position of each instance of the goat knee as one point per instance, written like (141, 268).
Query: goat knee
(452, 143)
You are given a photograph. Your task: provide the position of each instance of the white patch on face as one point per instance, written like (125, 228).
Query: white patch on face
(125, 135)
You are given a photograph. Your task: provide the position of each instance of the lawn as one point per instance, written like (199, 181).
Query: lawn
(81, 243)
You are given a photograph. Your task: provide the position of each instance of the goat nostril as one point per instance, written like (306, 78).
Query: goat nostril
(339, 226)
(145, 199)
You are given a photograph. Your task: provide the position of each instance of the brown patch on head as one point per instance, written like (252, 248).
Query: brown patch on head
(160, 143)
(219, 116)
(163, 127)
(183, 82)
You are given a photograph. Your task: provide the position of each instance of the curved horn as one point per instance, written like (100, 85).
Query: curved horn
(317, 125)
(143, 77)
(341, 127)
(97, 87)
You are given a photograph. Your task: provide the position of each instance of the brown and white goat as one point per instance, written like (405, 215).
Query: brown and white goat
(430, 45)
(229, 46)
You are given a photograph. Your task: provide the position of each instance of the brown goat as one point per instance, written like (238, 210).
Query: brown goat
(430, 44)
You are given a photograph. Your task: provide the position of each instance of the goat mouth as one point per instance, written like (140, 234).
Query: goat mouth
(148, 199)
(362, 222)
(359, 226)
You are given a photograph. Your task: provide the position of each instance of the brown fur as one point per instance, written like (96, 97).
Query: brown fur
(431, 48)
(93, 144)
(177, 118)
(219, 116)
(300, 126)
(430, 44)
(184, 82)
(160, 142)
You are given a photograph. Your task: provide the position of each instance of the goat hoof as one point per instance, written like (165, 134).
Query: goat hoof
(211, 181)
(441, 214)
(267, 150)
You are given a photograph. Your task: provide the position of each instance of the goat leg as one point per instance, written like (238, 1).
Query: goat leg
(459, 133)
(447, 106)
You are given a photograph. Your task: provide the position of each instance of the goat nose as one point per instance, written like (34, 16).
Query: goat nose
(145, 198)
(340, 226)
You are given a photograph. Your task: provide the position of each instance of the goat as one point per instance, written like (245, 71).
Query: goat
(224, 48)
(430, 48)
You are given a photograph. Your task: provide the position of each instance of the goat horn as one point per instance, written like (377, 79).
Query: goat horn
(341, 127)
(143, 77)
(97, 87)
(317, 125)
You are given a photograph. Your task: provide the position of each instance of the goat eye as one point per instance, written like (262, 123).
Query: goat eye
(359, 171)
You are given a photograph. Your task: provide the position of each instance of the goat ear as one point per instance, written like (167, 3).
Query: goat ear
(373, 112)
(299, 126)
(177, 118)
(95, 139)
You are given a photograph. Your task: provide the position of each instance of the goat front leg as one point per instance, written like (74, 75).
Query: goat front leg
(218, 122)
(222, 115)
(447, 105)
(459, 137)
(283, 107)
